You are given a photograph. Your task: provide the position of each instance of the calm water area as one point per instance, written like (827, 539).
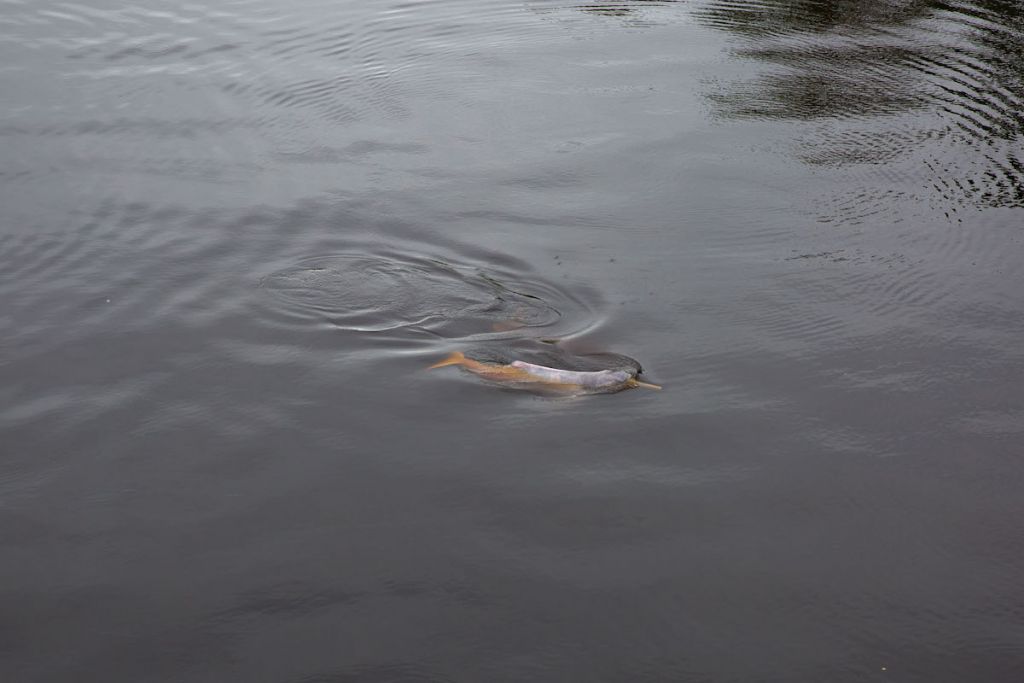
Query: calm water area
(234, 235)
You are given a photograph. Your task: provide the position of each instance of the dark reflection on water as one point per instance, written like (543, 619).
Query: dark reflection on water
(234, 235)
(953, 72)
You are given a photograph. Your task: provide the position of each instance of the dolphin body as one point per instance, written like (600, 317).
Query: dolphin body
(555, 371)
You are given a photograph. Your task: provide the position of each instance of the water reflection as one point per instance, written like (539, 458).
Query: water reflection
(937, 86)
(788, 17)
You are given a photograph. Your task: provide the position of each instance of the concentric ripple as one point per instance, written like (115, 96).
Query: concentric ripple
(377, 293)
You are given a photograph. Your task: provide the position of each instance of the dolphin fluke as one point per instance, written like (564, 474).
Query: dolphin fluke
(457, 358)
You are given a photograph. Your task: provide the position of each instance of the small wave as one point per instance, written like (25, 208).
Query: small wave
(612, 13)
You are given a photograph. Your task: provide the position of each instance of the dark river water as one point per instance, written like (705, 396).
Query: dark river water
(234, 235)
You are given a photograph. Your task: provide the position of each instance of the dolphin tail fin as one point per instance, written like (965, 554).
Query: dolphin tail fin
(457, 358)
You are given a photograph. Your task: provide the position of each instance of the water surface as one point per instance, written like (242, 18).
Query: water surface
(233, 235)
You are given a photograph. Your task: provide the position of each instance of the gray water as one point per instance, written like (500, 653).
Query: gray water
(233, 235)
